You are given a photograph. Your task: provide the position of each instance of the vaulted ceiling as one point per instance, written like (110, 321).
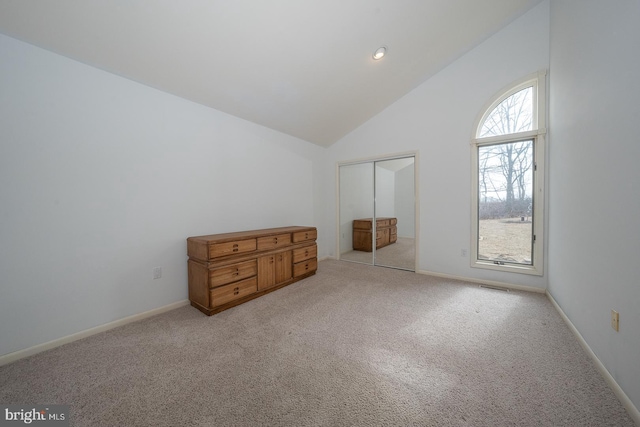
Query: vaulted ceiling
(302, 67)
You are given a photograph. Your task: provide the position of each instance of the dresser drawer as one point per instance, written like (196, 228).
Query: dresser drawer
(383, 223)
(305, 267)
(362, 224)
(273, 242)
(234, 291)
(303, 254)
(217, 250)
(233, 273)
(302, 236)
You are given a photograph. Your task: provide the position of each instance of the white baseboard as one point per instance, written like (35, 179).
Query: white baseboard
(622, 396)
(484, 282)
(20, 354)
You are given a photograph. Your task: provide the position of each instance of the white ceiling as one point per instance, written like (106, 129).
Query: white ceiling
(302, 67)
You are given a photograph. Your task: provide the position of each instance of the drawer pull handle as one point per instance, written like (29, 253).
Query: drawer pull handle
(306, 253)
(235, 245)
(236, 291)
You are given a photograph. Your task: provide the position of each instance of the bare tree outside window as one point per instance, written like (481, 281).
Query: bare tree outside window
(505, 178)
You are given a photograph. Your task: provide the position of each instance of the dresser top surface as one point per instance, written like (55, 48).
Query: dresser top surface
(380, 218)
(249, 234)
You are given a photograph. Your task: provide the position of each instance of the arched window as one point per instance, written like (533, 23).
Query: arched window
(508, 179)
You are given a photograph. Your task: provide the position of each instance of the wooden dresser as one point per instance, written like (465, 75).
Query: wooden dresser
(229, 269)
(386, 233)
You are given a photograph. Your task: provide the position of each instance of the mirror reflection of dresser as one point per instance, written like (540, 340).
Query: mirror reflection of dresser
(386, 233)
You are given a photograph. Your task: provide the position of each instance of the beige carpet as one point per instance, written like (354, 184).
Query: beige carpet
(352, 345)
(397, 255)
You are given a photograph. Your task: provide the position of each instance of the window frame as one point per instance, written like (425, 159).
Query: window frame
(538, 135)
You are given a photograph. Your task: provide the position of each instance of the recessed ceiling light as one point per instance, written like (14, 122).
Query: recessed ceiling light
(379, 53)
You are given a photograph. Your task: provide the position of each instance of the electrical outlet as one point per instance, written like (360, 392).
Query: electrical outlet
(615, 320)
(157, 272)
(463, 253)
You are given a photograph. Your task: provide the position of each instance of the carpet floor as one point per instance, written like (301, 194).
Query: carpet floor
(354, 345)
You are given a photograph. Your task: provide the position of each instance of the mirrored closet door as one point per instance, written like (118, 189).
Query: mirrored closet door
(356, 202)
(377, 212)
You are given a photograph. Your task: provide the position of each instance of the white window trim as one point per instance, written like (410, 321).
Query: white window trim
(538, 134)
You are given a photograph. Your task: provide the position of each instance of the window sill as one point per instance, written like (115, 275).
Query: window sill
(510, 268)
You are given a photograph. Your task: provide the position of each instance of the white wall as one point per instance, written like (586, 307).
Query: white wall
(103, 179)
(594, 231)
(436, 119)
